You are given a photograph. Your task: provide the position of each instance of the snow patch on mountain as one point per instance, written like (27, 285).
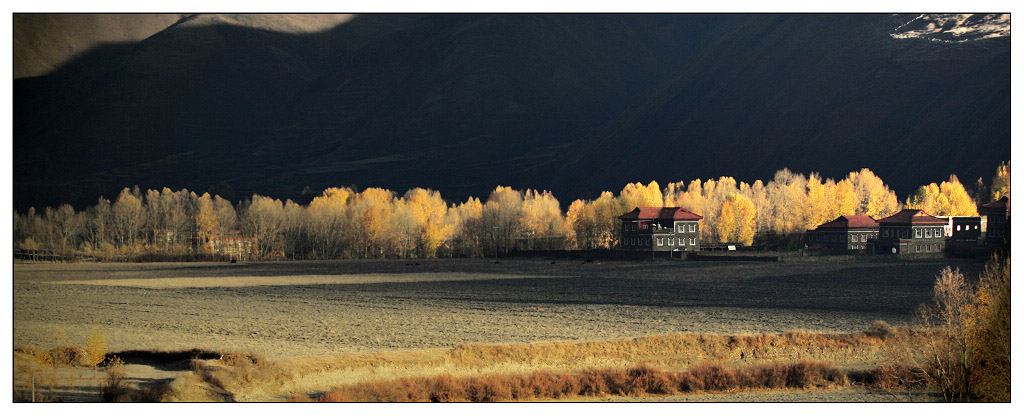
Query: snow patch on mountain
(954, 28)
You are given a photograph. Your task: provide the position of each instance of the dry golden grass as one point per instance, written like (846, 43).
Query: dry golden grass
(252, 379)
(543, 385)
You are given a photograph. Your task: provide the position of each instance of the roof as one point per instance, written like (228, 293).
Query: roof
(851, 221)
(660, 213)
(911, 217)
(1001, 203)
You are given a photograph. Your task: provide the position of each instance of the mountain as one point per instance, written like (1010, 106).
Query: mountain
(576, 104)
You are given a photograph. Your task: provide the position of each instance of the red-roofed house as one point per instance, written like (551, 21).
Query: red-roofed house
(911, 231)
(666, 229)
(848, 232)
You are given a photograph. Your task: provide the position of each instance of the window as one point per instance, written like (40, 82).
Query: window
(863, 238)
(682, 242)
(671, 241)
(853, 237)
(958, 227)
(693, 227)
(692, 242)
(917, 233)
(918, 247)
(929, 248)
(660, 242)
(928, 233)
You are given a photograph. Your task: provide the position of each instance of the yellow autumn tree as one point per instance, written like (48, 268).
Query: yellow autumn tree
(947, 198)
(736, 221)
(1001, 181)
(428, 212)
(843, 200)
(206, 219)
(872, 195)
(638, 195)
(542, 220)
(819, 200)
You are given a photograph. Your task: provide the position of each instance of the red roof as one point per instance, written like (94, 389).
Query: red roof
(851, 221)
(911, 217)
(659, 213)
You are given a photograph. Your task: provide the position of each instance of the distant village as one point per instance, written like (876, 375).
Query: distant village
(672, 231)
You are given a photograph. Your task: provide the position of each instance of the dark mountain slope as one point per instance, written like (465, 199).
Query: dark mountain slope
(461, 103)
(812, 93)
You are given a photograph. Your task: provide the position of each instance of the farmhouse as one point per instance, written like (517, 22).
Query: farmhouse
(998, 214)
(667, 229)
(848, 232)
(911, 231)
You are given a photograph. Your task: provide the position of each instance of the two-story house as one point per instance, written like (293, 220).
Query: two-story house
(848, 232)
(998, 215)
(911, 231)
(667, 229)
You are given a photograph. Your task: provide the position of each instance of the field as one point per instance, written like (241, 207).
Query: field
(291, 310)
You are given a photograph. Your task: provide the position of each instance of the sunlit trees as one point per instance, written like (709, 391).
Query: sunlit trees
(544, 226)
(638, 195)
(872, 196)
(736, 221)
(325, 224)
(206, 219)
(263, 220)
(947, 198)
(501, 217)
(127, 214)
(427, 214)
(595, 223)
(1001, 181)
(67, 224)
(376, 223)
(464, 220)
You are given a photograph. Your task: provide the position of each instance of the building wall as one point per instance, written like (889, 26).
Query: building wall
(998, 229)
(840, 239)
(966, 229)
(682, 235)
(916, 239)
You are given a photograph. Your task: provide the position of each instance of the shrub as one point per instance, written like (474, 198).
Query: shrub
(644, 379)
(968, 358)
(713, 377)
(95, 349)
(115, 388)
(881, 330)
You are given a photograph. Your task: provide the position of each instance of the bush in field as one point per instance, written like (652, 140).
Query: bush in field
(95, 349)
(115, 388)
(880, 330)
(969, 357)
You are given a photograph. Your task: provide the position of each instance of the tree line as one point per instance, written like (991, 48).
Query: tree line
(378, 223)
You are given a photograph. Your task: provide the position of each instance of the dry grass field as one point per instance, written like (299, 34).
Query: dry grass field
(379, 320)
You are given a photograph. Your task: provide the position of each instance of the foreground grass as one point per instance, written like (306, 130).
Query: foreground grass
(639, 381)
(629, 367)
(249, 378)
